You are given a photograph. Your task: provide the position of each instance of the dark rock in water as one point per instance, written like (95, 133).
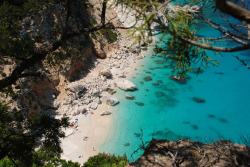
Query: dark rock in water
(219, 73)
(211, 116)
(159, 81)
(222, 120)
(159, 68)
(159, 61)
(133, 77)
(198, 100)
(195, 127)
(141, 83)
(156, 83)
(139, 103)
(148, 72)
(151, 68)
(127, 144)
(129, 97)
(147, 90)
(148, 78)
(178, 79)
(137, 134)
(164, 52)
(159, 94)
(186, 122)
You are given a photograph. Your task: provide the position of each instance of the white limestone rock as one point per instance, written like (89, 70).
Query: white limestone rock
(94, 106)
(112, 101)
(75, 87)
(126, 85)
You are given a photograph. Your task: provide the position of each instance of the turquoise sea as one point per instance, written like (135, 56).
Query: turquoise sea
(168, 110)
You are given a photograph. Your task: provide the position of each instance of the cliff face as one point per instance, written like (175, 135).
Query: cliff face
(184, 153)
(65, 64)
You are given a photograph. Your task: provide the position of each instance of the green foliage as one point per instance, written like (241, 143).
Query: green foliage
(182, 54)
(110, 35)
(62, 163)
(6, 162)
(19, 137)
(104, 160)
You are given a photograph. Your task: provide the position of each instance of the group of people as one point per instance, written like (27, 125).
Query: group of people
(74, 124)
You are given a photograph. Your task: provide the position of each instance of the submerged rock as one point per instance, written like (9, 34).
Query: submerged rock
(105, 113)
(159, 81)
(112, 101)
(159, 94)
(148, 78)
(129, 97)
(139, 103)
(126, 85)
(198, 100)
(178, 79)
(127, 144)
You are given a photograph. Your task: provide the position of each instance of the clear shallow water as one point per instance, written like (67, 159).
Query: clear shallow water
(169, 111)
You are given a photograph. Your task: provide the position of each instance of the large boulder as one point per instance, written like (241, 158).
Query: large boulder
(94, 105)
(81, 109)
(126, 85)
(112, 101)
(75, 87)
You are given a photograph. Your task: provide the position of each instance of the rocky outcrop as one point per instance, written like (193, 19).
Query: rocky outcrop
(185, 153)
(126, 85)
(46, 92)
(27, 102)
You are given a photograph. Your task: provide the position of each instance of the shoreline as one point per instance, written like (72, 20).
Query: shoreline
(121, 62)
(94, 126)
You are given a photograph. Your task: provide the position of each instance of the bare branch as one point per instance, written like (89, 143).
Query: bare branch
(233, 9)
(242, 61)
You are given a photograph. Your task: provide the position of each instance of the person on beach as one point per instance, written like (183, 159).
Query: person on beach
(85, 138)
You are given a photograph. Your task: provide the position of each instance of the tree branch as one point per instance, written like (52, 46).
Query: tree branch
(233, 9)
(245, 64)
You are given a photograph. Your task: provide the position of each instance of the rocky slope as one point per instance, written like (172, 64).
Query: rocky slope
(185, 153)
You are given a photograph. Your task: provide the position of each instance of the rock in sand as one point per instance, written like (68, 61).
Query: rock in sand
(112, 101)
(105, 113)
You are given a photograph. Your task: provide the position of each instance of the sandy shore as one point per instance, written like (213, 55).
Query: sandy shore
(94, 126)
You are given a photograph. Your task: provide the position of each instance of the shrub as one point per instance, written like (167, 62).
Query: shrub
(104, 160)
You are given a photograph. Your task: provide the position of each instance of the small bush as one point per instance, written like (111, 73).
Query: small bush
(104, 160)
(109, 35)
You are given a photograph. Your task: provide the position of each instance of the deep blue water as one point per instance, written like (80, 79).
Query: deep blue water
(169, 111)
